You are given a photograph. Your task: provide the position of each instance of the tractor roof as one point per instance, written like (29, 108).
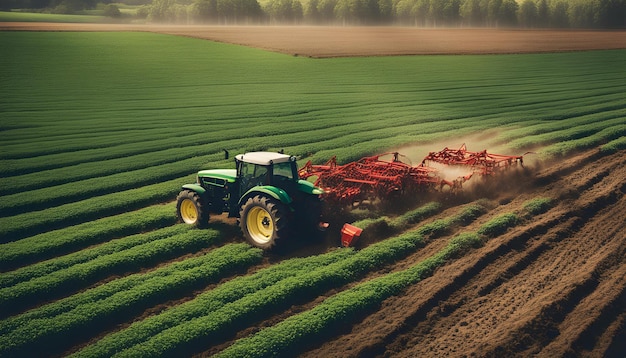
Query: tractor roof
(264, 158)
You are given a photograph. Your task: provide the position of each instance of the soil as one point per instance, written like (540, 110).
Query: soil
(325, 41)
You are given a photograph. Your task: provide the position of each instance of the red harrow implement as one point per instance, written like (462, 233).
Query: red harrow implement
(482, 163)
(376, 177)
(368, 178)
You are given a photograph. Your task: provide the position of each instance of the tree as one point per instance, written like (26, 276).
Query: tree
(204, 11)
(111, 10)
(326, 9)
(311, 12)
(610, 14)
(472, 12)
(161, 11)
(543, 13)
(402, 11)
(420, 12)
(528, 14)
(284, 10)
(581, 13)
(508, 13)
(385, 9)
(558, 15)
(342, 11)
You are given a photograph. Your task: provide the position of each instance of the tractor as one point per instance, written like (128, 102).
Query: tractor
(264, 192)
(272, 197)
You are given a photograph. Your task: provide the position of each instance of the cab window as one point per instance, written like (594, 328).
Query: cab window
(253, 175)
(283, 170)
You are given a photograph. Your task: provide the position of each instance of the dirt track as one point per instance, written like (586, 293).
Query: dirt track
(321, 41)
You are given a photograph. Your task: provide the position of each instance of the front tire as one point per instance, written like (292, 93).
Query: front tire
(190, 209)
(263, 221)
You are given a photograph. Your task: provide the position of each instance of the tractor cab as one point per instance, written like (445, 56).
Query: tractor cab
(266, 169)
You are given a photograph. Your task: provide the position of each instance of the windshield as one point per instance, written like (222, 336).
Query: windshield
(283, 170)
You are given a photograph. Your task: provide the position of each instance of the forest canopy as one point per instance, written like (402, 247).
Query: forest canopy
(423, 13)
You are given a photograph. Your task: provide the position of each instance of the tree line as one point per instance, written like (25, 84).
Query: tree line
(423, 13)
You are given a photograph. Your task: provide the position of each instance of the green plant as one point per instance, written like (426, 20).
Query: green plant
(499, 225)
(538, 206)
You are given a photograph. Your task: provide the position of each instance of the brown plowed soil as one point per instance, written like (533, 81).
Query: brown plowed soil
(325, 41)
(553, 287)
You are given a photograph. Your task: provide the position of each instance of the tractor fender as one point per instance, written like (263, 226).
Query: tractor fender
(274, 192)
(308, 188)
(195, 187)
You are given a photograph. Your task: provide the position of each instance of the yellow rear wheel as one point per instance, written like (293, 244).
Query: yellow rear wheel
(263, 221)
(260, 224)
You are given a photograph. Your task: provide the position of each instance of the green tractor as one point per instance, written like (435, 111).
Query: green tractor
(264, 192)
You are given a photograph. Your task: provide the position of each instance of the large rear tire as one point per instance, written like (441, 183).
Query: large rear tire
(263, 221)
(190, 209)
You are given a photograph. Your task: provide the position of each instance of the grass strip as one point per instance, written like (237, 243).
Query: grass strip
(606, 135)
(537, 206)
(48, 329)
(59, 242)
(50, 197)
(499, 225)
(28, 224)
(614, 145)
(47, 267)
(39, 289)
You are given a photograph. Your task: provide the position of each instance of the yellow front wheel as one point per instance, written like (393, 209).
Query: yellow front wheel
(190, 209)
(263, 221)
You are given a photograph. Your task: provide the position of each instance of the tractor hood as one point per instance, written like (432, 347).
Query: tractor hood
(229, 175)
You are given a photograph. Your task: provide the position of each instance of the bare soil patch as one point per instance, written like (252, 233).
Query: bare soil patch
(328, 41)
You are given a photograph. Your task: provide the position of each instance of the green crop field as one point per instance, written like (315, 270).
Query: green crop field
(98, 131)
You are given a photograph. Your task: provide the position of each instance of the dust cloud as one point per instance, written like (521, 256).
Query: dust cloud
(515, 176)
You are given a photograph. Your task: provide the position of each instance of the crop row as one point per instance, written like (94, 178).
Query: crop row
(604, 136)
(208, 301)
(615, 145)
(301, 329)
(229, 315)
(28, 224)
(46, 267)
(305, 328)
(84, 273)
(587, 128)
(44, 329)
(96, 186)
(63, 241)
